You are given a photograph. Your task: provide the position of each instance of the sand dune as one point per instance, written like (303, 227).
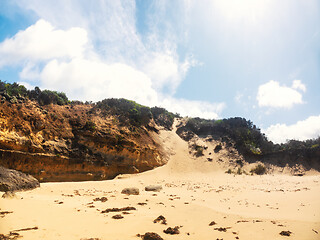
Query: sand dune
(195, 193)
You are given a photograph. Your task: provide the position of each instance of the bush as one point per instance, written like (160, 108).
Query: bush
(162, 117)
(138, 115)
(91, 126)
(199, 150)
(217, 148)
(260, 169)
(43, 97)
(46, 97)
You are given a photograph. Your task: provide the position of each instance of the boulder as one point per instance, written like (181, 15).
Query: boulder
(151, 236)
(153, 188)
(131, 191)
(12, 180)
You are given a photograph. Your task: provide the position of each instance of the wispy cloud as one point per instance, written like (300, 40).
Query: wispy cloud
(93, 50)
(302, 130)
(272, 94)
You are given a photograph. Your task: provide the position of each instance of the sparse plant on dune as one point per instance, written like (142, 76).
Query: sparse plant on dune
(260, 169)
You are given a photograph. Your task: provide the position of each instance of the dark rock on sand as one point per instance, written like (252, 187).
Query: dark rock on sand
(102, 199)
(212, 223)
(131, 191)
(172, 231)
(12, 180)
(118, 216)
(161, 219)
(285, 233)
(151, 236)
(153, 188)
(118, 209)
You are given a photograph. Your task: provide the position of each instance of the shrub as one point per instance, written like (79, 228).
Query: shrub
(217, 148)
(125, 110)
(260, 169)
(199, 150)
(91, 126)
(162, 117)
(46, 97)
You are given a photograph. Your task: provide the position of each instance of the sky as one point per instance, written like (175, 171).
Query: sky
(210, 58)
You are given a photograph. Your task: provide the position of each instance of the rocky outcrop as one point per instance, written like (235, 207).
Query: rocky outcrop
(76, 142)
(12, 180)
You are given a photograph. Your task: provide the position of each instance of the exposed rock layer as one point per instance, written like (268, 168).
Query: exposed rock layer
(74, 142)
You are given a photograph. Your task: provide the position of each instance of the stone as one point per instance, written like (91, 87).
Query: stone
(161, 219)
(151, 236)
(131, 191)
(172, 231)
(285, 233)
(118, 216)
(153, 188)
(12, 180)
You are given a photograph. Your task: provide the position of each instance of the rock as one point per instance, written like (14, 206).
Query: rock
(12, 180)
(151, 236)
(131, 191)
(212, 223)
(102, 199)
(285, 233)
(118, 209)
(118, 216)
(161, 219)
(153, 188)
(172, 231)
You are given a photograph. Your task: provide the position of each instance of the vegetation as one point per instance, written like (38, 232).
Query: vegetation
(247, 137)
(45, 97)
(260, 169)
(217, 148)
(135, 114)
(163, 118)
(91, 126)
(127, 111)
(199, 150)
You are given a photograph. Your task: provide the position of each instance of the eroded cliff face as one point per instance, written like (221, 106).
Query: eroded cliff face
(74, 142)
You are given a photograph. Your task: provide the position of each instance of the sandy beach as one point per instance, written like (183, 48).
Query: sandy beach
(197, 196)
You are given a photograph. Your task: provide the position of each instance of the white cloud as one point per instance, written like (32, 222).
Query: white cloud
(95, 80)
(297, 84)
(95, 51)
(193, 108)
(42, 41)
(302, 130)
(271, 94)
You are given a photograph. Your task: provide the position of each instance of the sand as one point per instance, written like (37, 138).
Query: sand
(195, 193)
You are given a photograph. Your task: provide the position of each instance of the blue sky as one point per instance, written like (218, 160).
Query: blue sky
(213, 59)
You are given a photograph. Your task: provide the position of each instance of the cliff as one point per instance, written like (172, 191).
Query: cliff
(77, 141)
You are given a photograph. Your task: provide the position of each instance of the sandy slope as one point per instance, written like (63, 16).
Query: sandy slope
(194, 194)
